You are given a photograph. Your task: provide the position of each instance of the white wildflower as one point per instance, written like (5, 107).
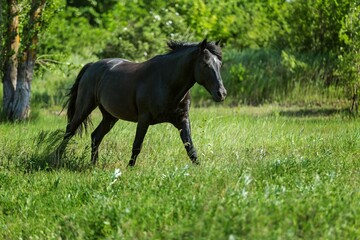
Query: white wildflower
(157, 17)
(232, 237)
(117, 173)
(247, 179)
(244, 193)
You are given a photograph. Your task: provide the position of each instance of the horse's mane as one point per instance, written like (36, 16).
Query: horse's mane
(211, 46)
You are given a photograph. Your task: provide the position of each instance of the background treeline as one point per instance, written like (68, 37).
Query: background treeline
(290, 52)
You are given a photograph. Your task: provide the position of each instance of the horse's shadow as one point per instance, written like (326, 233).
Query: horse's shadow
(317, 112)
(46, 157)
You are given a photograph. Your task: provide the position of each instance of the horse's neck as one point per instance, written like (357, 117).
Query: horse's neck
(179, 75)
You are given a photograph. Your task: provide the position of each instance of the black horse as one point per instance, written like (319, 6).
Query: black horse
(148, 93)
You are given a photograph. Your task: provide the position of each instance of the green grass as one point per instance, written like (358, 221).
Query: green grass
(265, 173)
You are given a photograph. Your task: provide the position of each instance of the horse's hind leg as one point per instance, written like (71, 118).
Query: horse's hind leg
(80, 116)
(104, 127)
(141, 129)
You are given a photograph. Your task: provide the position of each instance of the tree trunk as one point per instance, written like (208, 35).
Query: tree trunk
(355, 101)
(2, 35)
(18, 77)
(10, 52)
(21, 101)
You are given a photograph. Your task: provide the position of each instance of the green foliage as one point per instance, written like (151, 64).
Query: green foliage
(265, 75)
(315, 25)
(266, 173)
(142, 34)
(28, 27)
(69, 33)
(93, 10)
(349, 59)
(3, 9)
(141, 28)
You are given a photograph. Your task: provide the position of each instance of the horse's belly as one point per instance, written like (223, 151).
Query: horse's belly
(119, 103)
(121, 110)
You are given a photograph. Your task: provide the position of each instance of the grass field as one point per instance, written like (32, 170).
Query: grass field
(265, 173)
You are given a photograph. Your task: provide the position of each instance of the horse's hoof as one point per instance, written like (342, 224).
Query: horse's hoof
(195, 162)
(131, 163)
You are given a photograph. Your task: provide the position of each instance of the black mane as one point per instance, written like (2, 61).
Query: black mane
(211, 46)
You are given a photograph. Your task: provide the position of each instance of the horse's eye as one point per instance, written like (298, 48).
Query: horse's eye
(205, 63)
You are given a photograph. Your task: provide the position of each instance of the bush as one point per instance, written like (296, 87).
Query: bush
(257, 76)
(143, 36)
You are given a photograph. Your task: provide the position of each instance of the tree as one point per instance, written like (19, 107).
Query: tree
(314, 25)
(19, 53)
(11, 42)
(349, 59)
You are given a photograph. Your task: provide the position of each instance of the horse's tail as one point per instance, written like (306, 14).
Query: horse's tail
(71, 102)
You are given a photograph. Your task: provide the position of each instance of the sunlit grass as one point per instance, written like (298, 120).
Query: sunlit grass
(265, 173)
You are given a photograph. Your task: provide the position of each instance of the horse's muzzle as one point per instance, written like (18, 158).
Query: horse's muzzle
(220, 94)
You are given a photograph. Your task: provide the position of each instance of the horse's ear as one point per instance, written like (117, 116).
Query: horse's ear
(203, 44)
(217, 43)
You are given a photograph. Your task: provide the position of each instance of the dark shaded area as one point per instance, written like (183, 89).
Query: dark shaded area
(92, 10)
(317, 112)
(33, 117)
(46, 158)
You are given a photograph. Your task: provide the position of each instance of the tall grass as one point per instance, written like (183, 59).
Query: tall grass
(265, 173)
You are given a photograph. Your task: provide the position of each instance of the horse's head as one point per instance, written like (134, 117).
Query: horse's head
(207, 70)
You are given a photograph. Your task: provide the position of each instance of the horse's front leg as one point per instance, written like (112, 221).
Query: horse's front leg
(185, 133)
(141, 130)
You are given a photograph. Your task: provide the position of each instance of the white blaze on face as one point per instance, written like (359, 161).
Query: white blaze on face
(216, 60)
